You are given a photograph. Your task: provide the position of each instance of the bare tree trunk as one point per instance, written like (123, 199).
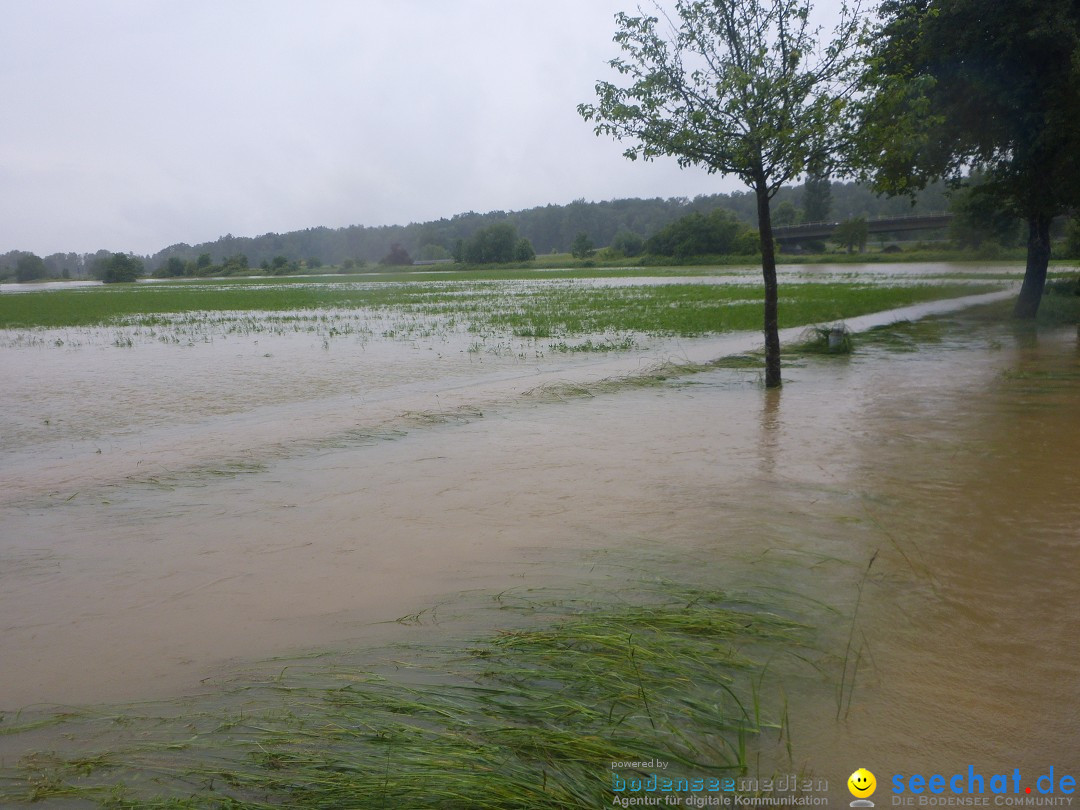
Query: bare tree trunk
(768, 271)
(1038, 257)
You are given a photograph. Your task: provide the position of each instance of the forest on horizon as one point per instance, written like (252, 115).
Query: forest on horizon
(550, 228)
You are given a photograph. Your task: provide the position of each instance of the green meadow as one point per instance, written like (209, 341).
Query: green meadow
(525, 304)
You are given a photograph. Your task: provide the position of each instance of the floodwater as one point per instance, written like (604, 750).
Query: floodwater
(958, 467)
(264, 494)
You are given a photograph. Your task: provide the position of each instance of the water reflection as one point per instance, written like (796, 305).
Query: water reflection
(971, 457)
(32, 286)
(770, 430)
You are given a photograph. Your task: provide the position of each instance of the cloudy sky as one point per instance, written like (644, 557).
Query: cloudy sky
(131, 125)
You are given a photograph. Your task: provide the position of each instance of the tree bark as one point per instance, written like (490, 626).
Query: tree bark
(768, 272)
(1038, 257)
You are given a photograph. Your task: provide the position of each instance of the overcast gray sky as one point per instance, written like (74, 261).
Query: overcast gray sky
(131, 125)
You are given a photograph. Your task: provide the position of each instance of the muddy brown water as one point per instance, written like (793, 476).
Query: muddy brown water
(954, 467)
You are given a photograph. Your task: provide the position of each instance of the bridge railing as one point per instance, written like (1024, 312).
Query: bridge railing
(905, 222)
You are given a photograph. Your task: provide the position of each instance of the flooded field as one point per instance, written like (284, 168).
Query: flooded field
(174, 510)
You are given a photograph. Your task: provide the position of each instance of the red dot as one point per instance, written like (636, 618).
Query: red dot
(1027, 790)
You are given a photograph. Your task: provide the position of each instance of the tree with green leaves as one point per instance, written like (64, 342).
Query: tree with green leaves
(497, 243)
(431, 252)
(119, 268)
(397, 257)
(785, 214)
(978, 219)
(699, 234)
(957, 84)
(524, 251)
(816, 198)
(1072, 238)
(235, 265)
(174, 267)
(739, 87)
(30, 267)
(852, 233)
(627, 243)
(582, 247)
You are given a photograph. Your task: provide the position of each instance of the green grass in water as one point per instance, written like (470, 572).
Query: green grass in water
(537, 310)
(527, 718)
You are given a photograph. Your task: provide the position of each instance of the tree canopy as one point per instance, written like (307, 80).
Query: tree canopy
(496, 243)
(582, 247)
(718, 232)
(627, 243)
(397, 257)
(852, 234)
(978, 219)
(817, 199)
(119, 268)
(961, 84)
(738, 87)
(30, 267)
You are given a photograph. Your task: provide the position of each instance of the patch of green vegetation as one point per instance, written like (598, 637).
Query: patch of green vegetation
(529, 717)
(830, 339)
(823, 303)
(1045, 375)
(655, 375)
(611, 344)
(95, 306)
(198, 476)
(1060, 305)
(1061, 301)
(974, 275)
(691, 310)
(541, 307)
(751, 361)
(908, 255)
(905, 336)
(16, 725)
(919, 253)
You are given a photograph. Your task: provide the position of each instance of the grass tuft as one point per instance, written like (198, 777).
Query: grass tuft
(830, 339)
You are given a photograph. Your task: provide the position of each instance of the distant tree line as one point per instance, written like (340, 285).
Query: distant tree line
(628, 227)
(22, 265)
(547, 229)
(236, 265)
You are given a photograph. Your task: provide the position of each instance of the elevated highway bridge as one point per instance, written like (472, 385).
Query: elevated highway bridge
(790, 234)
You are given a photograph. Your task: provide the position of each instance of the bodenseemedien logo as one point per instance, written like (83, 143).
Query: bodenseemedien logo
(862, 785)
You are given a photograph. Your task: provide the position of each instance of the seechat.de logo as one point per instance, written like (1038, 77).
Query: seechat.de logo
(973, 782)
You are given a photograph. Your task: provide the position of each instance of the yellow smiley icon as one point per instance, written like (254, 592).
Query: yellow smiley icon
(862, 784)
